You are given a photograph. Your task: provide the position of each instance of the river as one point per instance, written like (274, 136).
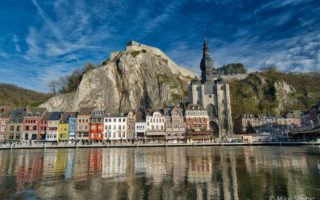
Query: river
(161, 173)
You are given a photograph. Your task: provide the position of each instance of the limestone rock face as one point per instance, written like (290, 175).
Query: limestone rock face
(283, 91)
(139, 77)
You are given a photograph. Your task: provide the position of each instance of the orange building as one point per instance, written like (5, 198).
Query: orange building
(96, 126)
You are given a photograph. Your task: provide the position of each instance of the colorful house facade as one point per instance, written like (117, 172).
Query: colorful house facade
(63, 128)
(15, 125)
(96, 126)
(72, 126)
(31, 124)
(53, 122)
(83, 127)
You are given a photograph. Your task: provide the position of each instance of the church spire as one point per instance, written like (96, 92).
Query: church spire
(205, 46)
(208, 72)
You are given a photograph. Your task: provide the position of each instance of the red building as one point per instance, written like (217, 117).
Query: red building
(197, 121)
(44, 126)
(32, 124)
(96, 126)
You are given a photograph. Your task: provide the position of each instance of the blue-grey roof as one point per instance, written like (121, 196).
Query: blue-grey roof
(55, 116)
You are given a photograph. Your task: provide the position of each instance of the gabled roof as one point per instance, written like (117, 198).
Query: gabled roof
(172, 108)
(35, 112)
(17, 113)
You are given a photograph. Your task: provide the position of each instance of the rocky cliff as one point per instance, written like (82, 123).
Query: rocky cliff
(273, 93)
(138, 77)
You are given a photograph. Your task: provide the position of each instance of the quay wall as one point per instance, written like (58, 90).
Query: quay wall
(158, 145)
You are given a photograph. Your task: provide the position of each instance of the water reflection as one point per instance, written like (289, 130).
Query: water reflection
(161, 173)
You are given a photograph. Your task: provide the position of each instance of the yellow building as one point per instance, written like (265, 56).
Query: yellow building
(63, 131)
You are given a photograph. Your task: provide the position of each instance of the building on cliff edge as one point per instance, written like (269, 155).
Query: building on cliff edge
(212, 93)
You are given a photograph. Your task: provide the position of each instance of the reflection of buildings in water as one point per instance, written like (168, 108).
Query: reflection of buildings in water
(69, 171)
(94, 161)
(61, 161)
(80, 166)
(229, 174)
(199, 166)
(176, 162)
(213, 172)
(287, 164)
(49, 162)
(200, 171)
(274, 158)
(155, 165)
(3, 164)
(29, 168)
(114, 163)
(139, 162)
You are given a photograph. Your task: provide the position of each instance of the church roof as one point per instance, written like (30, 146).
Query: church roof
(206, 61)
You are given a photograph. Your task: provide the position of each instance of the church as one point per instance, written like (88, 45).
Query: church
(212, 93)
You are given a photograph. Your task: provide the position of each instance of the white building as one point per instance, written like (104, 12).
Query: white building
(156, 121)
(115, 127)
(114, 163)
(140, 130)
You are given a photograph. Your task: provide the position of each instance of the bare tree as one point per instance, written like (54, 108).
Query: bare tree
(53, 86)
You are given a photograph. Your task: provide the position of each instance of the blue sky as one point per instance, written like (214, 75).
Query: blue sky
(43, 40)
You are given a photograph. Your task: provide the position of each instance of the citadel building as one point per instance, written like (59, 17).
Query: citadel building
(212, 93)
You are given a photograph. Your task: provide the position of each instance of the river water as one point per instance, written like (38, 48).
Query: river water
(161, 173)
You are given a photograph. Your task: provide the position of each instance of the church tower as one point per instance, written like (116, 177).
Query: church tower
(208, 72)
(213, 94)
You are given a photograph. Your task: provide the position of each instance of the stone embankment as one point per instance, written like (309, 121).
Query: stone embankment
(141, 145)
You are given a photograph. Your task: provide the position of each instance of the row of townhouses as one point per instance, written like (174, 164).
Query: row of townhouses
(311, 117)
(89, 125)
(268, 123)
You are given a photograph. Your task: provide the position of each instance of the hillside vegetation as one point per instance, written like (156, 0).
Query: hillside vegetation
(274, 92)
(14, 96)
(232, 68)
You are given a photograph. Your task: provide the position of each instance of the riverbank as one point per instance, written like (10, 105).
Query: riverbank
(7, 147)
